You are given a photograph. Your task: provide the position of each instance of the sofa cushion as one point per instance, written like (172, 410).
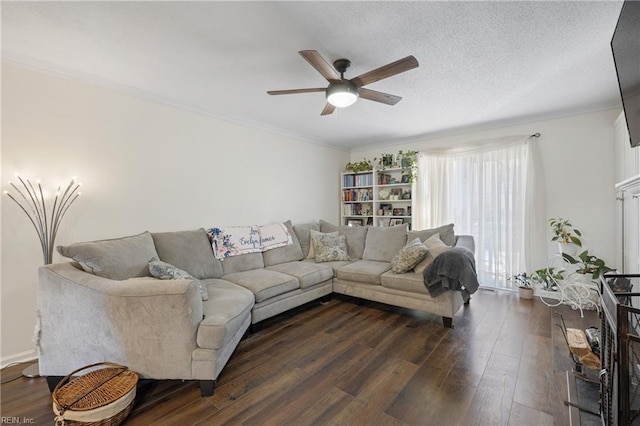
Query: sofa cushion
(115, 259)
(383, 243)
(302, 232)
(228, 307)
(166, 271)
(243, 262)
(329, 248)
(333, 265)
(188, 250)
(408, 256)
(355, 235)
(365, 271)
(264, 283)
(289, 253)
(308, 274)
(446, 234)
(411, 281)
(435, 247)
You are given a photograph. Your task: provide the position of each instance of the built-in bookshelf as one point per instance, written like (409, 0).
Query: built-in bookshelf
(377, 197)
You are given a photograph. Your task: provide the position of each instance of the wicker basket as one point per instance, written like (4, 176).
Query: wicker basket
(102, 397)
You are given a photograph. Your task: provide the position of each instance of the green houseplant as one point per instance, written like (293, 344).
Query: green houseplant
(588, 264)
(524, 283)
(567, 237)
(360, 166)
(385, 161)
(547, 278)
(409, 164)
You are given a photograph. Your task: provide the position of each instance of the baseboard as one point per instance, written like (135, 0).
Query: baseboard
(21, 357)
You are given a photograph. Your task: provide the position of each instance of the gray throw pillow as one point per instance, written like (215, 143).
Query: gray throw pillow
(303, 234)
(408, 257)
(446, 234)
(116, 259)
(329, 248)
(166, 271)
(190, 251)
(383, 243)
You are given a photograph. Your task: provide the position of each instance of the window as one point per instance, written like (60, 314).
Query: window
(485, 192)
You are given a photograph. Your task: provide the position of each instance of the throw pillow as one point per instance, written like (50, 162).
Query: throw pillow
(329, 248)
(166, 271)
(447, 234)
(408, 256)
(116, 259)
(435, 246)
(355, 235)
(312, 233)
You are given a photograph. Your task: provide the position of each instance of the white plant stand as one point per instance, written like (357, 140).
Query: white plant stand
(576, 291)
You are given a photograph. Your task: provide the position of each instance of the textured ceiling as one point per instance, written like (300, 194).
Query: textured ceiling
(482, 64)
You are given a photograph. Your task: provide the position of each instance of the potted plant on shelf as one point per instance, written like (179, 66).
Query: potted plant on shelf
(567, 237)
(409, 164)
(385, 161)
(360, 166)
(525, 288)
(589, 265)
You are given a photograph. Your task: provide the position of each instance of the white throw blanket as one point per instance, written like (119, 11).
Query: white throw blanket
(237, 240)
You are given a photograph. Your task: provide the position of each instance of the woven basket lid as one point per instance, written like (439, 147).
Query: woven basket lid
(96, 389)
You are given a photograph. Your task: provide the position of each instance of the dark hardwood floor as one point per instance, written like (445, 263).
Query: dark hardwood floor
(344, 362)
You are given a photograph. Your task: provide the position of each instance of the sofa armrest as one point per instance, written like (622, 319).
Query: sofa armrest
(146, 324)
(467, 242)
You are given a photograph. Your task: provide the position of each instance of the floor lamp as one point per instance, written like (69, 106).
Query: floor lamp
(30, 198)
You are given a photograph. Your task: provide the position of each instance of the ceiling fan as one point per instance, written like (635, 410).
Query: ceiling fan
(342, 92)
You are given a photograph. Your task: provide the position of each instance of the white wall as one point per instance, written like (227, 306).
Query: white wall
(577, 161)
(143, 166)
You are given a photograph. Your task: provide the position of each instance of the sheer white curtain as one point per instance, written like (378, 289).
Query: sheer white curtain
(488, 191)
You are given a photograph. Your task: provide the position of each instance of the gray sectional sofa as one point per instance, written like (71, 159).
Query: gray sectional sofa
(104, 306)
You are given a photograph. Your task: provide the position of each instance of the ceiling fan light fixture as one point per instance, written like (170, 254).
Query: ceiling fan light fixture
(342, 94)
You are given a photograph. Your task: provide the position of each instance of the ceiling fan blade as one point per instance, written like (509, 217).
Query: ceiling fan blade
(320, 64)
(295, 91)
(376, 96)
(385, 71)
(328, 109)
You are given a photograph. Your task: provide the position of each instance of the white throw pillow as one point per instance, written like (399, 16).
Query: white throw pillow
(435, 246)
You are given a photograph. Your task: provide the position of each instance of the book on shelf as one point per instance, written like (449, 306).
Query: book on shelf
(354, 180)
(351, 195)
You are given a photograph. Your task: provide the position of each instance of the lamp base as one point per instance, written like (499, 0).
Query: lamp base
(32, 371)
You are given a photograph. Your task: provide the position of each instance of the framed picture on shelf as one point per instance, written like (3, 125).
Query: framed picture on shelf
(354, 222)
(398, 211)
(395, 222)
(385, 222)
